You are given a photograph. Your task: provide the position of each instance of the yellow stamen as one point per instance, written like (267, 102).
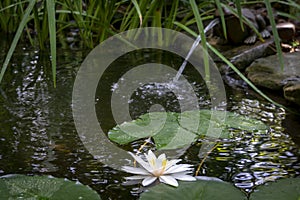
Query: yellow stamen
(152, 161)
(164, 164)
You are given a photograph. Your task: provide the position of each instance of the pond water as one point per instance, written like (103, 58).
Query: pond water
(38, 135)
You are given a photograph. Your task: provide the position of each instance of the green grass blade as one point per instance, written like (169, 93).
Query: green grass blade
(239, 11)
(17, 37)
(138, 10)
(185, 28)
(290, 3)
(221, 13)
(274, 31)
(12, 5)
(52, 35)
(203, 38)
(150, 11)
(287, 15)
(245, 20)
(172, 15)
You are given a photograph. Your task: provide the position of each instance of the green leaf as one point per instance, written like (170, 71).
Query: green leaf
(142, 128)
(137, 7)
(43, 188)
(288, 188)
(220, 10)
(237, 121)
(17, 37)
(239, 11)
(175, 130)
(174, 139)
(52, 34)
(275, 32)
(200, 189)
(203, 38)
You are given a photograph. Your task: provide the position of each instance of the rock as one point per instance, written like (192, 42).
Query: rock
(267, 73)
(292, 93)
(242, 56)
(286, 31)
(235, 33)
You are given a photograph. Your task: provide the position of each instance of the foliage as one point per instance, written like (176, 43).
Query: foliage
(288, 188)
(200, 189)
(174, 130)
(96, 20)
(43, 187)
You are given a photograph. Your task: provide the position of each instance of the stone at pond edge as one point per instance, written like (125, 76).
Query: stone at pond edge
(266, 72)
(243, 56)
(292, 93)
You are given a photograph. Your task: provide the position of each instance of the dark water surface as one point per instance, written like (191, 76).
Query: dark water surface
(38, 135)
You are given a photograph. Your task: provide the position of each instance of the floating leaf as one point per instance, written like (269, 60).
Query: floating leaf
(139, 128)
(200, 189)
(237, 121)
(172, 140)
(174, 130)
(288, 188)
(43, 187)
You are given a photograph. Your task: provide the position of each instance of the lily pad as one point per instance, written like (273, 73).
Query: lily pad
(200, 189)
(130, 131)
(174, 130)
(288, 188)
(43, 188)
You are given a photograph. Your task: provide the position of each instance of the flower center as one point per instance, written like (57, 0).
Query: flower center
(161, 170)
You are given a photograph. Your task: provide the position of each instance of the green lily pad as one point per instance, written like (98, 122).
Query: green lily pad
(288, 188)
(43, 188)
(237, 121)
(174, 130)
(200, 189)
(130, 131)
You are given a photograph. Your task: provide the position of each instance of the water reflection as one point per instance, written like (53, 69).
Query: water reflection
(258, 157)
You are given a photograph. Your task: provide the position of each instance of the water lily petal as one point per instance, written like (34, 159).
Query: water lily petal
(208, 178)
(150, 155)
(144, 164)
(161, 157)
(170, 163)
(151, 159)
(135, 170)
(183, 177)
(168, 180)
(148, 180)
(160, 160)
(178, 168)
(135, 177)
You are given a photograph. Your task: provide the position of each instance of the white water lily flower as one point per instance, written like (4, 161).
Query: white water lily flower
(167, 171)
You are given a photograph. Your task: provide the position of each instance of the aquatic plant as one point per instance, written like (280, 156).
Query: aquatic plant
(18, 186)
(166, 171)
(97, 20)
